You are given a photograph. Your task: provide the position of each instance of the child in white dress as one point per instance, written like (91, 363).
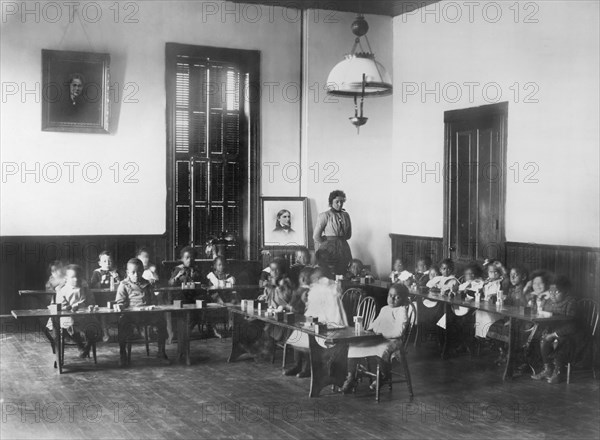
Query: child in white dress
(392, 323)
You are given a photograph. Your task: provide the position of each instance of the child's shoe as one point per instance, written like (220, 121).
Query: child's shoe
(292, 371)
(163, 358)
(350, 384)
(544, 374)
(556, 377)
(305, 371)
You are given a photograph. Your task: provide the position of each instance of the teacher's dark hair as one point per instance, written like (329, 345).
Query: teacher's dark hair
(336, 193)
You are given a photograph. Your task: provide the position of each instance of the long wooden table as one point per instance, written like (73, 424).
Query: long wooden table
(513, 313)
(169, 292)
(328, 365)
(183, 324)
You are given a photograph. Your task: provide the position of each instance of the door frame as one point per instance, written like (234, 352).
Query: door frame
(249, 61)
(474, 113)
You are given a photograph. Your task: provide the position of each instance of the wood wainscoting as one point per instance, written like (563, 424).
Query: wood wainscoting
(412, 247)
(24, 260)
(580, 264)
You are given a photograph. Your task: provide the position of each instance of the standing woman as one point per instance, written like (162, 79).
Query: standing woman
(333, 230)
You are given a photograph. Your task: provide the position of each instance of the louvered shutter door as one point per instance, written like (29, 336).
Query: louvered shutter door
(208, 157)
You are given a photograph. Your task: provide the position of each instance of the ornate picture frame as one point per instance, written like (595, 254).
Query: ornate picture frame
(75, 89)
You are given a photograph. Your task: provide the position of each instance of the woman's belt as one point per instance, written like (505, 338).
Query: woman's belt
(333, 237)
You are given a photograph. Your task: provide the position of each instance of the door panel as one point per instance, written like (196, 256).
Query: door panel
(475, 184)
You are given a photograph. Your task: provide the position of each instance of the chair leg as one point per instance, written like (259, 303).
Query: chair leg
(284, 355)
(129, 352)
(377, 379)
(407, 375)
(94, 352)
(569, 373)
(146, 339)
(62, 347)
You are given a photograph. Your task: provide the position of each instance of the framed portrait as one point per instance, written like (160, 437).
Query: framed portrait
(284, 222)
(75, 91)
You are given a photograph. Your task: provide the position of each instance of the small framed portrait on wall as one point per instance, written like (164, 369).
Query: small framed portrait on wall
(75, 89)
(284, 222)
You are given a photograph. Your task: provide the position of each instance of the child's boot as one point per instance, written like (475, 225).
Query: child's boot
(556, 377)
(162, 354)
(295, 369)
(350, 383)
(305, 371)
(544, 374)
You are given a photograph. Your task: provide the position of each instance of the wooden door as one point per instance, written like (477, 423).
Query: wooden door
(475, 182)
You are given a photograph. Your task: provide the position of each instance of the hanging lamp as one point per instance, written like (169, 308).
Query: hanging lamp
(359, 75)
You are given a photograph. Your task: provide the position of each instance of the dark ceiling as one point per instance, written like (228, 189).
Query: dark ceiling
(390, 8)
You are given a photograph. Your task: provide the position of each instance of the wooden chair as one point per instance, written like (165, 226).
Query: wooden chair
(65, 337)
(146, 329)
(367, 309)
(350, 300)
(588, 315)
(400, 356)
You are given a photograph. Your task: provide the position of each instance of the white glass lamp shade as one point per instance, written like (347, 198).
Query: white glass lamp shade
(346, 78)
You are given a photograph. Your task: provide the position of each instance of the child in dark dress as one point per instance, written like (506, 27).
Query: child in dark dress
(559, 338)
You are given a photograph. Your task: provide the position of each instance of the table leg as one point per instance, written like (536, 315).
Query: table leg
(512, 342)
(181, 335)
(58, 354)
(236, 346)
(328, 366)
(169, 320)
(187, 338)
(447, 311)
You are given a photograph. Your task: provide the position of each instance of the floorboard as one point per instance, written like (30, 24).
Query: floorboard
(461, 398)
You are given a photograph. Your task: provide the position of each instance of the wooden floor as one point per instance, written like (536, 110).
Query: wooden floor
(457, 398)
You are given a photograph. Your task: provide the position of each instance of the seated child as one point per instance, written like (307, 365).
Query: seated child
(56, 281)
(536, 290)
(356, 270)
(494, 286)
(518, 279)
(445, 282)
(135, 291)
(185, 272)
(219, 275)
(422, 271)
(559, 338)
(300, 295)
(57, 276)
(392, 323)
(472, 279)
(101, 279)
(324, 303)
(302, 260)
(102, 276)
(399, 275)
(150, 273)
(496, 281)
(74, 295)
(536, 293)
(276, 293)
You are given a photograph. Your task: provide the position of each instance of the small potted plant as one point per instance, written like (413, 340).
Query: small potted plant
(217, 245)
